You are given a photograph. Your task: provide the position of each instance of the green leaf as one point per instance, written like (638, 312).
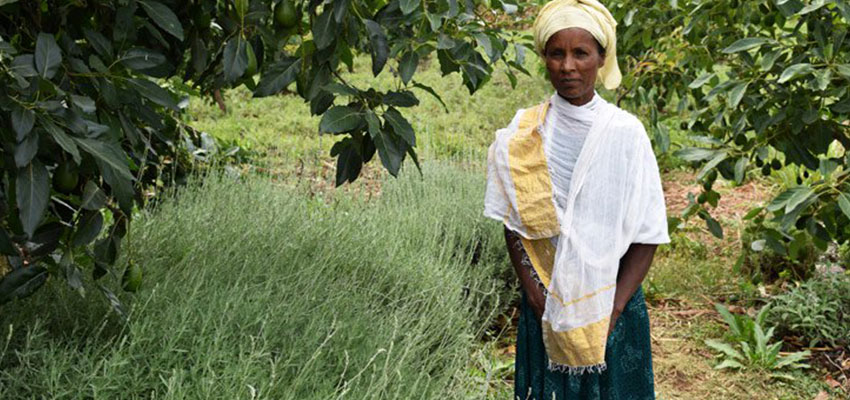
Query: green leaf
(823, 77)
(844, 204)
(278, 77)
(26, 150)
(48, 56)
(106, 250)
(724, 348)
(714, 227)
(730, 319)
(781, 200)
(235, 59)
(85, 103)
(843, 70)
(324, 30)
(378, 46)
(795, 71)
(339, 88)
(21, 283)
(718, 158)
(100, 43)
(32, 191)
(402, 98)
(800, 194)
(131, 281)
(816, 4)
(72, 274)
(493, 50)
(400, 126)
(736, 94)
(340, 10)
(745, 44)
(139, 58)
(769, 59)
(163, 17)
(62, 139)
(109, 154)
(373, 124)
(24, 65)
(791, 359)
(154, 93)
(88, 228)
(97, 64)
(241, 7)
(415, 158)
(693, 154)
(339, 119)
(320, 79)
(23, 120)
(844, 9)
(407, 66)
(753, 212)
(348, 163)
(740, 169)
(729, 363)
(432, 92)
(391, 149)
(408, 6)
(445, 42)
(93, 198)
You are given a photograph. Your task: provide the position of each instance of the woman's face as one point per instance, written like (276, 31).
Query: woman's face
(573, 59)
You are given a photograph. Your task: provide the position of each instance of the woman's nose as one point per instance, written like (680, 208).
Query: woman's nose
(568, 64)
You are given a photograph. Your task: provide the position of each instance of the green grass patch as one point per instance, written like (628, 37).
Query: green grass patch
(254, 290)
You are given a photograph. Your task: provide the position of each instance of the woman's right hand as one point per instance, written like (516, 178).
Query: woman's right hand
(532, 289)
(535, 297)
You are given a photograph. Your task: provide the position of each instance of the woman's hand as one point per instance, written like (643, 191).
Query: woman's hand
(614, 316)
(535, 296)
(533, 293)
(633, 268)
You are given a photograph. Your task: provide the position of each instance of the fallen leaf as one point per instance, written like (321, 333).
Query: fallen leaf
(832, 382)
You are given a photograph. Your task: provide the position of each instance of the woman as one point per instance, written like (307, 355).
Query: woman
(576, 184)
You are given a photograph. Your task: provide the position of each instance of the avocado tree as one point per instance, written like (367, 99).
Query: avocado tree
(762, 86)
(91, 95)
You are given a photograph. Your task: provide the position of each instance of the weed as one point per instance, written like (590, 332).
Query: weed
(748, 345)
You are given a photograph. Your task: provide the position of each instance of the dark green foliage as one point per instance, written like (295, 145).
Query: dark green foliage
(760, 83)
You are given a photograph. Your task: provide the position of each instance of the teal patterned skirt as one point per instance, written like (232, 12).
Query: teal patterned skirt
(628, 356)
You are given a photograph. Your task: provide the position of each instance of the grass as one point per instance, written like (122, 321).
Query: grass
(254, 290)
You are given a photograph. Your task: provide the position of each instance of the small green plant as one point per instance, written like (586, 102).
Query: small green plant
(748, 345)
(817, 310)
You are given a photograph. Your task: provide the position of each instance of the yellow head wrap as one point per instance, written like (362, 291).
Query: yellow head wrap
(589, 15)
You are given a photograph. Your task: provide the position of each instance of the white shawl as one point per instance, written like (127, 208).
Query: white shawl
(614, 199)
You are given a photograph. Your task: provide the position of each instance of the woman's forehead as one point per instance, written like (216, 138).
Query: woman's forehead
(572, 36)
